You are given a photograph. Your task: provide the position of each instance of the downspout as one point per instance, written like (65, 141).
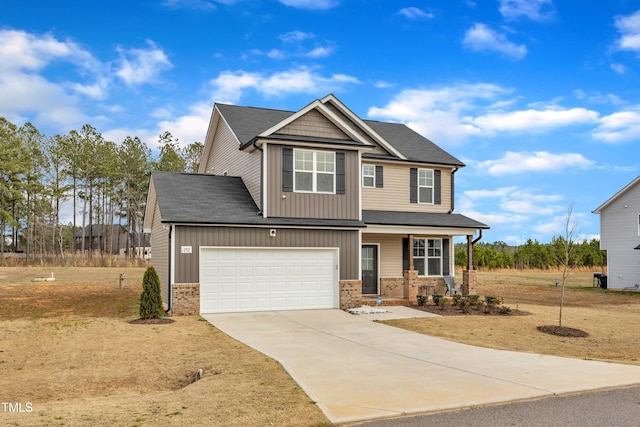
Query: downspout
(473, 242)
(169, 270)
(261, 176)
(453, 189)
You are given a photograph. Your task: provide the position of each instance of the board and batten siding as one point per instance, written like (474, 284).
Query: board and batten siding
(225, 155)
(356, 129)
(619, 236)
(311, 205)
(187, 265)
(160, 252)
(394, 196)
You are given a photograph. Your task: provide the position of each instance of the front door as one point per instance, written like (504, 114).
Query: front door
(369, 269)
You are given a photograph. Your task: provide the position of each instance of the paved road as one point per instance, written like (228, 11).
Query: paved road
(612, 408)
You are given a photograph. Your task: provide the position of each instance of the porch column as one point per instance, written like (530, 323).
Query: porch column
(469, 252)
(410, 252)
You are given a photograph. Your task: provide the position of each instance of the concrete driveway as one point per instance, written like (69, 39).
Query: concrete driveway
(356, 369)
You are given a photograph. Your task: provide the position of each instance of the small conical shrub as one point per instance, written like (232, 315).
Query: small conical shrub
(151, 298)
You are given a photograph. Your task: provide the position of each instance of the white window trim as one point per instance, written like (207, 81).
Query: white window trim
(426, 256)
(314, 172)
(369, 176)
(432, 187)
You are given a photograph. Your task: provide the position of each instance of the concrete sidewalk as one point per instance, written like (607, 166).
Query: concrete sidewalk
(356, 369)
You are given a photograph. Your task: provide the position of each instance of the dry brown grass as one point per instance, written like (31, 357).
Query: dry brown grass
(67, 348)
(611, 318)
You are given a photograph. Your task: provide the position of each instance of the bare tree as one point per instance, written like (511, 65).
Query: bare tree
(568, 243)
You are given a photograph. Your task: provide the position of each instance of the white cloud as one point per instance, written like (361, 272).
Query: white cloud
(140, 66)
(320, 52)
(629, 28)
(230, 86)
(189, 4)
(311, 4)
(414, 13)
(437, 112)
(536, 10)
(481, 38)
(619, 68)
(619, 127)
(541, 161)
(534, 119)
(295, 36)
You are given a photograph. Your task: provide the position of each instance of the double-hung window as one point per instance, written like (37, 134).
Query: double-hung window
(427, 256)
(425, 186)
(314, 171)
(368, 176)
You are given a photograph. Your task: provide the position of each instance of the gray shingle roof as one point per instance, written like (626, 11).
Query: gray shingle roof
(249, 122)
(210, 199)
(419, 219)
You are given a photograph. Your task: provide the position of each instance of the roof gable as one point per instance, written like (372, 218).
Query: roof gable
(616, 196)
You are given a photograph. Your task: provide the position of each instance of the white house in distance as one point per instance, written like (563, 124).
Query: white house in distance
(620, 236)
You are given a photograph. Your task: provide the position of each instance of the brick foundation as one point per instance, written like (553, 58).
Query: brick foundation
(350, 294)
(185, 299)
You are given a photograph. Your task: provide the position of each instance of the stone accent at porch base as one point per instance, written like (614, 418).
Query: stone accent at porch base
(185, 299)
(392, 287)
(469, 282)
(350, 294)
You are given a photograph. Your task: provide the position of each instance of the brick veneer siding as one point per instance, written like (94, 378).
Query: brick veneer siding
(469, 282)
(185, 299)
(392, 287)
(350, 294)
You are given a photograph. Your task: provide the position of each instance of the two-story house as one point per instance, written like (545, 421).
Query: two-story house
(620, 236)
(305, 209)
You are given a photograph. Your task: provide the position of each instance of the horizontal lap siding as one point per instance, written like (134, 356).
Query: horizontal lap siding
(394, 196)
(160, 252)
(226, 156)
(308, 205)
(187, 265)
(390, 253)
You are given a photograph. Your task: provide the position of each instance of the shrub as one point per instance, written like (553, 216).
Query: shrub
(475, 300)
(436, 298)
(465, 305)
(456, 299)
(492, 301)
(151, 298)
(505, 309)
(422, 299)
(443, 303)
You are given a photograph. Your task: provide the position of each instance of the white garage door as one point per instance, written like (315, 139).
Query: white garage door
(266, 279)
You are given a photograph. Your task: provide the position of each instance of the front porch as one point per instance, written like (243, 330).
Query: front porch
(402, 290)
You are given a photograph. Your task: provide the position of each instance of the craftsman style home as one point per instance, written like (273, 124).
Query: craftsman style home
(305, 209)
(620, 236)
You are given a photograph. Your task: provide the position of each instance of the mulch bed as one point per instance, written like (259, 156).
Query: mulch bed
(473, 311)
(563, 331)
(158, 321)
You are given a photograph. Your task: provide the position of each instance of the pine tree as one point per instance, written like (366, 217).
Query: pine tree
(151, 298)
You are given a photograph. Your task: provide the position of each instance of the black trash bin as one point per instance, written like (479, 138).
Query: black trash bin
(603, 282)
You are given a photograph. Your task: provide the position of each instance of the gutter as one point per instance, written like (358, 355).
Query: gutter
(169, 270)
(473, 242)
(255, 140)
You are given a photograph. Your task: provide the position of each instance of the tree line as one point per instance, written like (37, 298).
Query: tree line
(533, 254)
(104, 182)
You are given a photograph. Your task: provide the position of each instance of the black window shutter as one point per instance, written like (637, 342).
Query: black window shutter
(340, 173)
(413, 185)
(287, 170)
(437, 186)
(445, 257)
(405, 254)
(379, 177)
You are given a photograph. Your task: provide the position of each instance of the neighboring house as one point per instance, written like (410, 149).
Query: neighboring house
(305, 209)
(620, 236)
(112, 239)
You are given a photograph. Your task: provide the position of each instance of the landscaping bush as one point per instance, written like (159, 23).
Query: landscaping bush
(456, 299)
(436, 298)
(422, 299)
(444, 303)
(475, 300)
(151, 298)
(465, 305)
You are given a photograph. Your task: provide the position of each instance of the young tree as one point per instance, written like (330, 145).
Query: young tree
(568, 244)
(170, 159)
(192, 154)
(151, 298)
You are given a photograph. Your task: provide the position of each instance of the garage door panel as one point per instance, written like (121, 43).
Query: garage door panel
(252, 279)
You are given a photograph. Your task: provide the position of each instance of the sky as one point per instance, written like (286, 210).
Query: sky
(539, 98)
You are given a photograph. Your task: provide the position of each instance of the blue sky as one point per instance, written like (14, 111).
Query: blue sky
(539, 98)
